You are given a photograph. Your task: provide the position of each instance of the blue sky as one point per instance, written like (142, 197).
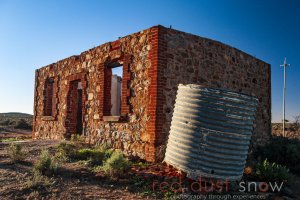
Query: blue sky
(37, 33)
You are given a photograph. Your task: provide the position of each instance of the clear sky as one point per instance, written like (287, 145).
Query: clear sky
(36, 33)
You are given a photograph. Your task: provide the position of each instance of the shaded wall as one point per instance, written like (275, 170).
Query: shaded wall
(188, 59)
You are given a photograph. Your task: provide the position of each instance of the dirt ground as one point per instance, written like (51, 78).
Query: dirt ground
(76, 181)
(73, 181)
(6, 132)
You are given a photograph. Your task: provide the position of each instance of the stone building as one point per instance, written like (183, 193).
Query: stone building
(73, 95)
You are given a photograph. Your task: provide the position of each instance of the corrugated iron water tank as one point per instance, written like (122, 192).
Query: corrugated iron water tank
(210, 132)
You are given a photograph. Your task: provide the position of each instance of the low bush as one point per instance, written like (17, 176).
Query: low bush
(9, 139)
(77, 138)
(116, 164)
(94, 156)
(267, 171)
(15, 152)
(100, 158)
(283, 151)
(65, 151)
(5, 122)
(37, 180)
(107, 152)
(74, 152)
(22, 124)
(45, 165)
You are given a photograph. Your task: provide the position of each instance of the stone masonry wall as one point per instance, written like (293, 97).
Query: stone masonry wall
(154, 62)
(129, 135)
(191, 59)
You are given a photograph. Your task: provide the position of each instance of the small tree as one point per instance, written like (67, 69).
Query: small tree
(22, 124)
(15, 152)
(295, 126)
(5, 122)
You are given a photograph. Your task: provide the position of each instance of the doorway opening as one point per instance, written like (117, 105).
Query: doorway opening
(79, 109)
(74, 120)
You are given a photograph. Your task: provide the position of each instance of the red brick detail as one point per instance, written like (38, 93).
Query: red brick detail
(100, 94)
(72, 96)
(115, 45)
(107, 88)
(125, 99)
(155, 108)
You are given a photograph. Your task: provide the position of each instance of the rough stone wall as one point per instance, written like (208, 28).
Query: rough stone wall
(129, 135)
(193, 59)
(154, 62)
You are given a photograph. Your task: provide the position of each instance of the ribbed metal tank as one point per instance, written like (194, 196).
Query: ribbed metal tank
(210, 132)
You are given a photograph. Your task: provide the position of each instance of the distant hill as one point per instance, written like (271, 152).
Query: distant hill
(15, 115)
(15, 120)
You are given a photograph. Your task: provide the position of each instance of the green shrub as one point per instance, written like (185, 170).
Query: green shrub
(267, 171)
(94, 156)
(37, 180)
(65, 151)
(283, 151)
(74, 152)
(22, 124)
(5, 122)
(107, 152)
(102, 146)
(44, 162)
(12, 123)
(76, 138)
(15, 153)
(84, 154)
(45, 165)
(116, 164)
(9, 139)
